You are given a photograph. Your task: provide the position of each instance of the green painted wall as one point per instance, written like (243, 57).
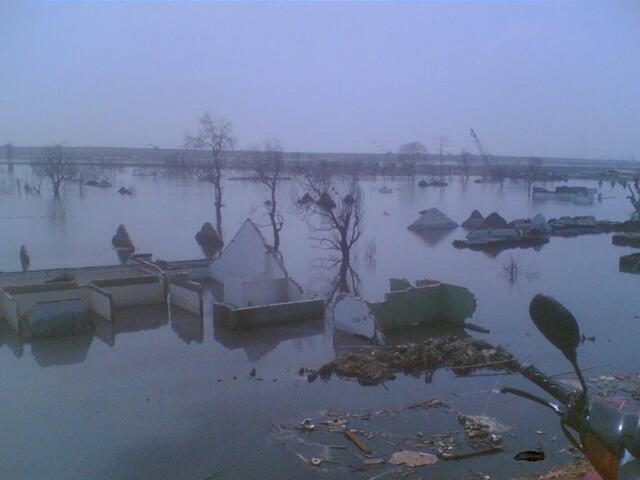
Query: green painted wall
(441, 303)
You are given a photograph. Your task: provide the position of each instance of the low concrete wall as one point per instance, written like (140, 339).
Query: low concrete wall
(246, 292)
(28, 296)
(126, 292)
(264, 291)
(186, 295)
(266, 315)
(10, 311)
(100, 302)
(59, 317)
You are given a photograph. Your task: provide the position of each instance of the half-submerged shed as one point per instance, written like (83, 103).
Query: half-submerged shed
(432, 219)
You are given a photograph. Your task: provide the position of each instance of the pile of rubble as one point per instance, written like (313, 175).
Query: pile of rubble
(375, 365)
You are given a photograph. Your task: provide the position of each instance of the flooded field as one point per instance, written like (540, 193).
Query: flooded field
(163, 394)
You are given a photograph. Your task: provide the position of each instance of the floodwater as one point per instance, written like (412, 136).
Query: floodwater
(165, 395)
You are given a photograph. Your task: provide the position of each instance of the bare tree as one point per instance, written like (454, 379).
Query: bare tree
(534, 170)
(412, 153)
(57, 167)
(511, 270)
(215, 136)
(268, 164)
(335, 217)
(465, 163)
(635, 196)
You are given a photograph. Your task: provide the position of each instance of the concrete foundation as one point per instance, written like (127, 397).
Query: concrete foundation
(244, 318)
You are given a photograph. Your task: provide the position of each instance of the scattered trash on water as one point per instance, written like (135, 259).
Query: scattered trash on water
(413, 459)
(357, 441)
(307, 425)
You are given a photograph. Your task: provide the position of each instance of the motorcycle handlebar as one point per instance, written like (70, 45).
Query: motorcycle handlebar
(553, 388)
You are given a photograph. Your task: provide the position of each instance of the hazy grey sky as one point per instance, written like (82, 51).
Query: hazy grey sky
(541, 78)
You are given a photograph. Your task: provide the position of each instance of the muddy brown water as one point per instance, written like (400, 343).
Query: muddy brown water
(154, 396)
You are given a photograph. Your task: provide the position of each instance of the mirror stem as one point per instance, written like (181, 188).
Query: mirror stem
(583, 384)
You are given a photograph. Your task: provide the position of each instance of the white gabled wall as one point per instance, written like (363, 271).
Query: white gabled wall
(246, 256)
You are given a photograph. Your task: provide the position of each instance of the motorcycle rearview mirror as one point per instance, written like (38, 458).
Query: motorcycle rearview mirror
(560, 327)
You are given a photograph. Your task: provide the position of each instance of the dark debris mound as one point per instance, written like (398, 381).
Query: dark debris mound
(463, 354)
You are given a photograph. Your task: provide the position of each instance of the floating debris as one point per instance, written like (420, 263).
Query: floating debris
(307, 425)
(379, 364)
(357, 441)
(473, 453)
(480, 426)
(413, 459)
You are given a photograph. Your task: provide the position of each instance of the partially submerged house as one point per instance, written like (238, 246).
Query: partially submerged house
(254, 286)
(427, 303)
(538, 225)
(495, 234)
(474, 220)
(579, 195)
(568, 226)
(494, 228)
(432, 219)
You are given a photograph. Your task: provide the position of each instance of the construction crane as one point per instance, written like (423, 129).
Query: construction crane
(486, 157)
(377, 145)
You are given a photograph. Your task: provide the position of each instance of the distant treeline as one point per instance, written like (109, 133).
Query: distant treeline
(159, 156)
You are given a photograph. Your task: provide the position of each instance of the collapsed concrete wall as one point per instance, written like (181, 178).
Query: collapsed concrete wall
(428, 303)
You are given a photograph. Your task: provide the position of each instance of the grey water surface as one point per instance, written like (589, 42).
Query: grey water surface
(154, 396)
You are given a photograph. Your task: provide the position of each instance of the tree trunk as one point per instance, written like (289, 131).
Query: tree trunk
(343, 281)
(218, 204)
(276, 233)
(273, 212)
